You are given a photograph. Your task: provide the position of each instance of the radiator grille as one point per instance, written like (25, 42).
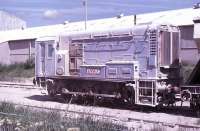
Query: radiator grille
(165, 48)
(153, 42)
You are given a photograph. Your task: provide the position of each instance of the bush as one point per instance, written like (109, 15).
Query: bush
(17, 70)
(30, 63)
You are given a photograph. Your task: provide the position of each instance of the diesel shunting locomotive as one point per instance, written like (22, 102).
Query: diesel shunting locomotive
(137, 65)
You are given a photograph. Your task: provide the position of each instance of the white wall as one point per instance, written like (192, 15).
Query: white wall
(4, 53)
(20, 50)
(16, 51)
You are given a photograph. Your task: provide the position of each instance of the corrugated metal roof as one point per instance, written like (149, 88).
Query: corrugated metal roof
(30, 33)
(180, 17)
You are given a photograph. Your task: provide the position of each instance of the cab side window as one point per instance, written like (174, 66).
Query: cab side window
(50, 50)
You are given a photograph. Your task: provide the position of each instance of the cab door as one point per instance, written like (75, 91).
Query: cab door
(49, 63)
(40, 59)
(45, 58)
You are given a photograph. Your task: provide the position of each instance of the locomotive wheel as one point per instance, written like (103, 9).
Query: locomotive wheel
(130, 97)
(66, 98)
(88, 100)
(51, 88)
(51, 93)
(192, 105)
(186, 95)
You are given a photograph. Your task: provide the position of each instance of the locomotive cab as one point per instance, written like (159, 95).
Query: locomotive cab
(50, 61)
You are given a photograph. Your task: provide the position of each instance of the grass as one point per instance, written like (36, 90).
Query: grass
(158, 128)
(17, 70)
(26, 119)
(20, 118)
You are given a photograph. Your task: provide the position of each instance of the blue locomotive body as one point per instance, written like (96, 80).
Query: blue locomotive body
(137, 64)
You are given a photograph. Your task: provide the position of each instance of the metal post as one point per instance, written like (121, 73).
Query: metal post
(30, 51)
(171, 48)
(85, 5)
(135, 19)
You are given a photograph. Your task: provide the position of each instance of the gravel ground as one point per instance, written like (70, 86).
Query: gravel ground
(36, 98)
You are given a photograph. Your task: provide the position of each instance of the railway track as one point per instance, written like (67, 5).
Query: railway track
(96, 115)
(19, 85)
(116, 119)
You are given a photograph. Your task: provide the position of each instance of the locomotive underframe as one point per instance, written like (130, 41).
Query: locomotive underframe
(140, 92)
(191, 93)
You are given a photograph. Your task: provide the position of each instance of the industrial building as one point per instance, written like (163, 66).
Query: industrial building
(10, 22)
(18, 45)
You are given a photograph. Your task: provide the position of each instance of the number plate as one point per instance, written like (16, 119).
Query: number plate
(93, 71)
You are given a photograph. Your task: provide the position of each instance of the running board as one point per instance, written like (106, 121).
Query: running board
(65, 91)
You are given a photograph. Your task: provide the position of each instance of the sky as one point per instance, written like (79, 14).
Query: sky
(48, 12)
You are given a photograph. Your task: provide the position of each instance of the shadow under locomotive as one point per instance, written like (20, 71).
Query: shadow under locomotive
(118, 104)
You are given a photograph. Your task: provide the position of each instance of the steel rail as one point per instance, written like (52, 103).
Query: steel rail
(129, 119)
(19, 85)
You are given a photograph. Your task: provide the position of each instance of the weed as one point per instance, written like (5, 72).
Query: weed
(41, 120)
(157, 128)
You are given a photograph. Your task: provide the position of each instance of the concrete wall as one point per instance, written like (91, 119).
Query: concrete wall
(17, 51)
(5, 53)
(7, 50)
(21, 51)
